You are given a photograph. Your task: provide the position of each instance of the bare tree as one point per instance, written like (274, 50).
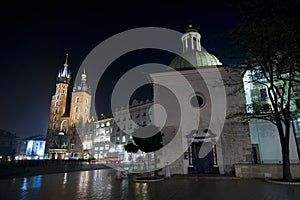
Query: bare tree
(269, 33)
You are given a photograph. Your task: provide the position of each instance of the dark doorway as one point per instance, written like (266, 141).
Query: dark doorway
(204, 165)
(255, 154)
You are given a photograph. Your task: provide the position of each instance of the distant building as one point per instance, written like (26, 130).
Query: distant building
(140, 114)
(69, 112)
(264, 135)
(102, 138)
(8, 145)
(31, 148)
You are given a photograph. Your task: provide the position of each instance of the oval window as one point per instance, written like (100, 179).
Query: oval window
(197, 101)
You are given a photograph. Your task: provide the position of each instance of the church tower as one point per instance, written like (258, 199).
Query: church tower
(81, 102)
(57, 126)
(59, 99)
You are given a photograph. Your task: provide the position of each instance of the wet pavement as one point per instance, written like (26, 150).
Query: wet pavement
(101, 184)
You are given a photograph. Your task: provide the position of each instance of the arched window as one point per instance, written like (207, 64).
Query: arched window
(76, 109)
(76, 99)
(56, 103)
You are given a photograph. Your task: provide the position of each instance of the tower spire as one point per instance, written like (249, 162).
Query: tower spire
(64, 74)
(66, 62)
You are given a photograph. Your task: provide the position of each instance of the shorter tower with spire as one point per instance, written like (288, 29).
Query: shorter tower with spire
(81, 101)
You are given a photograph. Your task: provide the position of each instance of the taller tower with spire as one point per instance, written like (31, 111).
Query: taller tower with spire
(58, 124)
(59, 99)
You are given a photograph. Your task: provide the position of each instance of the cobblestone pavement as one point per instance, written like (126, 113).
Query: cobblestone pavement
(101, 184)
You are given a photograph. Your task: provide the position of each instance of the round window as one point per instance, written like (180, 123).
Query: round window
(197, 101)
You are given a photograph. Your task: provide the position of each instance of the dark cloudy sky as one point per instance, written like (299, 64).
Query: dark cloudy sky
(35, 36)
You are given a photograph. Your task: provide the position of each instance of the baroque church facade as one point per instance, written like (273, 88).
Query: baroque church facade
(210, 145)
(69, 112)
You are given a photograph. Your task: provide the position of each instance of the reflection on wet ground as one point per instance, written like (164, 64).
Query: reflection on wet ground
(101, 184)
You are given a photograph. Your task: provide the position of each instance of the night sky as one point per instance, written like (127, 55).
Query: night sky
(35, 37)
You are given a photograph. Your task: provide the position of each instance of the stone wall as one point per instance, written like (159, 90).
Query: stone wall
(264, 170)
(236, 146)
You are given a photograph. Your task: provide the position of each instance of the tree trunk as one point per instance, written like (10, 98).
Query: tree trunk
(286, 171)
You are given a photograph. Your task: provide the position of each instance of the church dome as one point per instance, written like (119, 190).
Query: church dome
(194, 58)
(193, 54)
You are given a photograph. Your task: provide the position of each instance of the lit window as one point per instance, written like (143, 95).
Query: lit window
(97, 125)
(123, 139)
(107, 123)
(96, 148)
(298, 123)
(107, 147)
(101, 148)
(102, 125)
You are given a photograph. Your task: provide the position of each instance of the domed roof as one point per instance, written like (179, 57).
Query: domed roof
(194, 58)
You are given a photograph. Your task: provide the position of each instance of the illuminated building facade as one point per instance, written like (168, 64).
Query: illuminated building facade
(69, 112)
